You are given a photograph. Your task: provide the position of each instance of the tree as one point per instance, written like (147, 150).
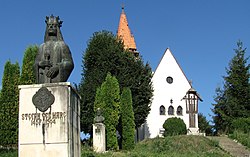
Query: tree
(9, 105)
(237, 85)
(221, 116)
(204, 124)
(233, 100)
(108, 100)
(105, 53)
(27, 74)
(127, 120)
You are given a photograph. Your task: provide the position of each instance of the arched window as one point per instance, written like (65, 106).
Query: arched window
(162, 110)
(179, 111)
(170, 110)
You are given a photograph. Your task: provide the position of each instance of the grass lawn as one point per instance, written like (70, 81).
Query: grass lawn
(243, 138)
(175, 146)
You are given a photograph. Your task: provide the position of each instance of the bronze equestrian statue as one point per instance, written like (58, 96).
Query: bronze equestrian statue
(53, 62)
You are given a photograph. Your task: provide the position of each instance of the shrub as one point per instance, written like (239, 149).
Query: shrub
(174, 126)
(241, 124)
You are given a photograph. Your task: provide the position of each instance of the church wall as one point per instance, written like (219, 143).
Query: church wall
(164, 92)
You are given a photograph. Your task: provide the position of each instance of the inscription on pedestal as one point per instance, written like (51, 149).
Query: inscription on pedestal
(43, 118)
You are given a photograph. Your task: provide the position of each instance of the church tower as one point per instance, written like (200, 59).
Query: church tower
(125, 34)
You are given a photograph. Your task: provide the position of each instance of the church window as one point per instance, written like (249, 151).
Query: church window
(171, 110)
(169, 79)
(179, 111)
(162, 110)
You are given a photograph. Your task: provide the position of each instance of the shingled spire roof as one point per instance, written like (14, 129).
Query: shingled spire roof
(125, 34)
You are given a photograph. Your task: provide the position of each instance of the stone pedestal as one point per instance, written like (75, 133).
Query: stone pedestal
(193, 131)
(99, 139)
(52, 131)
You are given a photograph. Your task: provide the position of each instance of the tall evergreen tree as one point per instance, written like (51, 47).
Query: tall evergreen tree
(108, 100)
(127, 120)
(9, 105)
(233, 100)
(237, 85)
(105, 53)
(203, 124)
(27, 74)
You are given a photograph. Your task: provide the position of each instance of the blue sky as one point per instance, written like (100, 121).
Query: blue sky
(200, 33)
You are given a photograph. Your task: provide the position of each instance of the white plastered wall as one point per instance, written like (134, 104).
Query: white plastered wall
(164, 92)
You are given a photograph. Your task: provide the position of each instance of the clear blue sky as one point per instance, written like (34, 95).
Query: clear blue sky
(200, 33)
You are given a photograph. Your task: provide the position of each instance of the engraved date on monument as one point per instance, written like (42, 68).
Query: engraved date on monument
(47, 118)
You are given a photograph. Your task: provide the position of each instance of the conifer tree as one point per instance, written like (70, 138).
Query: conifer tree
(127, 120)
(233, 100)
(108, 100)
(27, 74)
(9, 105)
(105, 53)
(203, 124)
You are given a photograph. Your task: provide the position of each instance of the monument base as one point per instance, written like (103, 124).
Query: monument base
(52, 130)
(99, 139)
(193, 131)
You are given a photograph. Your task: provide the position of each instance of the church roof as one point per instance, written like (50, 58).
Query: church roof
(124, 32)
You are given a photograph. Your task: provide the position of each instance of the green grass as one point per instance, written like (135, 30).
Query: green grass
(243, 138)
(175, 146)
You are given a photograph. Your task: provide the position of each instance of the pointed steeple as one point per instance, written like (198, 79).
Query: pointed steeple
(125, 34)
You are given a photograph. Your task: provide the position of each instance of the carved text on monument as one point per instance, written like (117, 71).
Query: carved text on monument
(47, 118)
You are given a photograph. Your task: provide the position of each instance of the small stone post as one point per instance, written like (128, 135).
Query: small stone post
(99, 139)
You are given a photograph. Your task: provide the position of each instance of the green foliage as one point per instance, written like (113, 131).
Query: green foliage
(87, 151)
(221, 118)
(8, 152)
(241, 137)
(9, 105)
(203, 124)
(105, 53)
(233, 100)
(241, 124)
(108, 100)
(127, 120)
(241, 131)
(27, 74)
(174, 126)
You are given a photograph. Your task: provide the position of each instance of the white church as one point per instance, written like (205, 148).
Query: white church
(173, 94)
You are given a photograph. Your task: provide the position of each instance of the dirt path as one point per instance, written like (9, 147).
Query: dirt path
(234, 148)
